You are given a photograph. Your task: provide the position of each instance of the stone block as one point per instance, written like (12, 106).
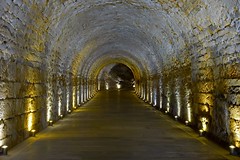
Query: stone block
(232, 82)
(205, 87)
(234, 112)
(8, 108)
(234, 99)
(205, 98)
(232, 71)
(20, 106)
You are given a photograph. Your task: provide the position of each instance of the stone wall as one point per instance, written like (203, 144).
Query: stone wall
(22, 75)
(186, 54)
(22, 101)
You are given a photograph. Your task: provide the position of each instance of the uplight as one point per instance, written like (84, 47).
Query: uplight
(4, 149)
(232, 149)
(33, 132)
(201, 132)
(50, 122)
(118, 86)
(176, 117)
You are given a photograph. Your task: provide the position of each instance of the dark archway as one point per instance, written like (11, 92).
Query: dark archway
(116, 76)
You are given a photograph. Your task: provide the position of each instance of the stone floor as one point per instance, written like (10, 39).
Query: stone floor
(117, 125)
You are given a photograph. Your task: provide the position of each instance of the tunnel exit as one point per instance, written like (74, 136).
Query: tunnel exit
(116, 76)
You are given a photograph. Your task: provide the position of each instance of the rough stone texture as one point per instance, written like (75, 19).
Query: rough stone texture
(184, 55)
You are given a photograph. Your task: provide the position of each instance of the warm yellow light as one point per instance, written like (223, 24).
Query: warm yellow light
(232, 149)
(30, 116)
(99, 85)
(178, 98)
(78, 98)
(189, 114)
(74, 96)
(204, 121)
(201, 132)
(4, 147)
(107, 86)
(50, 122)
(118, 86)
(1, 134)
(67, 103)
(204, 108)
(30, 121)
(151, 97)
(235, 125)
(168, 103)
(33, 131)
(49, 101)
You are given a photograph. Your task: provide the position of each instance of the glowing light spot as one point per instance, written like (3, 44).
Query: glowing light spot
(201, 132)
(155, 101)
(118, 86)
(107, 86)
(30, 121)
(4, 149)
(59, 105)
(178, 98)
(168, 104)
(99, 85)
(1, 134)
(30, 117)
(74, 96)
(67, 105)
(78, 97)
(204, 122)
(189, 114)
(49, 102)
(160, 94)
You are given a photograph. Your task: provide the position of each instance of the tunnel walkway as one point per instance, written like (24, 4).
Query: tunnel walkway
(116, 125)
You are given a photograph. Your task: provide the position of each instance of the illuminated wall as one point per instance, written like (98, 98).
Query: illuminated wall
(22, 101)
(193, 47)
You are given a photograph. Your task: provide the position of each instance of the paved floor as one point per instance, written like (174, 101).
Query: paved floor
(116, 125)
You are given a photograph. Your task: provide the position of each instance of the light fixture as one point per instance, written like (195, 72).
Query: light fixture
(176, 117)
(232, 149)
(186, 122)
(33, 132)
(118, 86)
(4, 149)
(50, 122)
(69, 111)
(201, 132)
(61, 116)
(166, 111)
(204, 122)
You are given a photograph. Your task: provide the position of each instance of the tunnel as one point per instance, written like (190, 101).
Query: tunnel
(180, 56)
